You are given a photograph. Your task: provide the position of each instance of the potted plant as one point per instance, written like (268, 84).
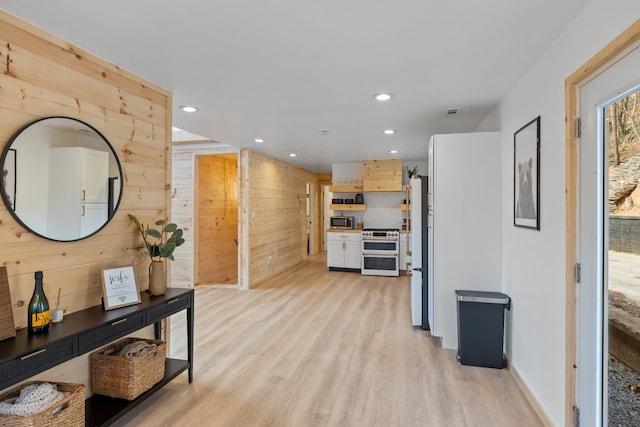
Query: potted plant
(413, 172)
(158, 244)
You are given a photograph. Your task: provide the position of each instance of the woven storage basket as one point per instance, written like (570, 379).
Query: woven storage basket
(68, 412)
(125, 377)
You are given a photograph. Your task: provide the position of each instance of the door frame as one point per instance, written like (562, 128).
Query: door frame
(605, 57)
(312, 209)
(196, 156)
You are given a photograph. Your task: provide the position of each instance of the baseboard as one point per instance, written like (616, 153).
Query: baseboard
(437, 341)
(537, 407)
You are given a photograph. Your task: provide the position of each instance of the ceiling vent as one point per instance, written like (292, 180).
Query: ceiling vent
(451, 112)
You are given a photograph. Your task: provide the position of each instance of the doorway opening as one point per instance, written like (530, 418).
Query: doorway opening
(327, 195)
(216, 219)
(308, 227)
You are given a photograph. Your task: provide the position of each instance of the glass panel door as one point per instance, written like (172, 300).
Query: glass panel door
(608, 295)
(622, 133)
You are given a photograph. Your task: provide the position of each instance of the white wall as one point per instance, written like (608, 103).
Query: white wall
(533, 271)
(421, 166)
(32, 177)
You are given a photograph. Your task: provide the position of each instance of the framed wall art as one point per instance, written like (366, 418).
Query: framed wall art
(526, 175)
(119, 287)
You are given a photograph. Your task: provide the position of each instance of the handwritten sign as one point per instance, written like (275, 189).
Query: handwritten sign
(119, 286)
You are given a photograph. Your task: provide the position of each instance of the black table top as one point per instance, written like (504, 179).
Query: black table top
(78, 322)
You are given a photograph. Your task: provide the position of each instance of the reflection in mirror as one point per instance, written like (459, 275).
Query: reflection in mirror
(61, 178)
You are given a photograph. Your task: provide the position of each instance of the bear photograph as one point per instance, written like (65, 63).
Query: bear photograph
(526, 178)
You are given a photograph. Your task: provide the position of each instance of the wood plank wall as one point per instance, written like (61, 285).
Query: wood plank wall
(217, 219)
(324, 178)
(253, 168)
(45, 76)
(273, 204)
(182, 202)
(183, 209)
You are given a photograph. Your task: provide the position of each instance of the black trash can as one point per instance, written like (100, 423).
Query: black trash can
(481, 328)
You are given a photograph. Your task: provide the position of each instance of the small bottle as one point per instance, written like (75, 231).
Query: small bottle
(38, 308)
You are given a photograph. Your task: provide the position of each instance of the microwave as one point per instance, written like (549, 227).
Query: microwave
(343, 222)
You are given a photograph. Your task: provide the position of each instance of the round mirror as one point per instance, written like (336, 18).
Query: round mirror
(61, 179)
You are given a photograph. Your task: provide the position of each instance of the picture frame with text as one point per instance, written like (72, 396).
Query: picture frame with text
(119, 287)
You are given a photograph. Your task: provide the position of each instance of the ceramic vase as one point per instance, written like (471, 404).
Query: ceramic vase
(157, 278)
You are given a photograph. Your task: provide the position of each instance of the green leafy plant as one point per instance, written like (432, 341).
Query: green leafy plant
(413, 172)
(159, 243)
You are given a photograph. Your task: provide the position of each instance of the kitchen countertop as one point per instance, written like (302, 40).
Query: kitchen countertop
(353, 230)
(345, 230)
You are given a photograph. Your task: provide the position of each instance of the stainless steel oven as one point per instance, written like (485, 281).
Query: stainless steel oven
(380, 250)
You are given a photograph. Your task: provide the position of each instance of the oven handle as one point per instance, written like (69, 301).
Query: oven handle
(378, 255)
(377, 239)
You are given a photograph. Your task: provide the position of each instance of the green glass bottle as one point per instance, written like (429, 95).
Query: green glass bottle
(38, 308)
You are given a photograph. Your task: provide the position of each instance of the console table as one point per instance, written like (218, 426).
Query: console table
(24, 356)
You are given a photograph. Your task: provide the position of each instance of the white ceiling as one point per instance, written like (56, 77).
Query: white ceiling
(284, 70)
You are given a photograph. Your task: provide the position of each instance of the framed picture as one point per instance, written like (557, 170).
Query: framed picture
(119, 287)
(526, 175)
(9, 177)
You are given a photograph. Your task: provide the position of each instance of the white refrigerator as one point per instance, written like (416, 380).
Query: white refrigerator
(464, 224)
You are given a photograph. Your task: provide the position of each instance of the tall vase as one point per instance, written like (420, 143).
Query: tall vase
(157, 278)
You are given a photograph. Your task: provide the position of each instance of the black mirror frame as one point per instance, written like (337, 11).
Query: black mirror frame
(3, 190)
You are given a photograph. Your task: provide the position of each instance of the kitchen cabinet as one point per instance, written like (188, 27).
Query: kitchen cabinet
(344, 250)
(85, 170)
(78, 192)
(403, 259)
(92, 217)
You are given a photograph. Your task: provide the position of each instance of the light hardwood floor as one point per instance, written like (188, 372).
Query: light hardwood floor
(319, 348)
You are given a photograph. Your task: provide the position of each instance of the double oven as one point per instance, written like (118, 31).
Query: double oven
(380, 252)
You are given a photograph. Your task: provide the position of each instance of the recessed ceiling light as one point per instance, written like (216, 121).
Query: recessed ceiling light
(258, 140)
(389, 131)
(383, 96)
(292, 154)
(393, 151)
(188, 108)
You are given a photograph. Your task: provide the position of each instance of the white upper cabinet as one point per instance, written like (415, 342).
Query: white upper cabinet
(78, 192)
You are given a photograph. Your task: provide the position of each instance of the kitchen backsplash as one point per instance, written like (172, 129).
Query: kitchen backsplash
(383, 210)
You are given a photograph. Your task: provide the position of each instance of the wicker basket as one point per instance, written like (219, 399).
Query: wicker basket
(125, 377)
(66, 412)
